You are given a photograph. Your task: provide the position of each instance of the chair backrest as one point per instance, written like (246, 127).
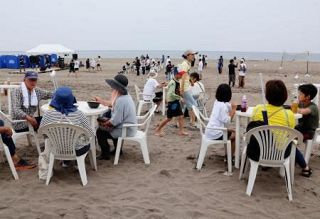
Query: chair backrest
(147, 118)
(63, 138)
(273, 141)
(138, 92)
(200, 119)
(9, 88)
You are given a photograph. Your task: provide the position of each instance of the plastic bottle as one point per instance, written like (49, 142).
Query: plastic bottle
(294, 105)
(5, 90)
(244, 103)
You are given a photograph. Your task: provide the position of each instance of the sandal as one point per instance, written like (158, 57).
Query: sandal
(306, 173)
(24, 165)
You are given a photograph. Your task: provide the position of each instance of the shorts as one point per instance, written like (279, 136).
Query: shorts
(221, 137)
(158, 97)
(174, 109)
(189, 100)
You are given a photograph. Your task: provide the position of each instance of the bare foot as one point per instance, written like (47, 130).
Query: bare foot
(159, 133)
(183, 133)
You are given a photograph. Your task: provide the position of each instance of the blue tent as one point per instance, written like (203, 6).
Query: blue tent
(0, 61)
(12, 62)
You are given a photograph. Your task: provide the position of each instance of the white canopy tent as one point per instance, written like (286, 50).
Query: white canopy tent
(49, 49)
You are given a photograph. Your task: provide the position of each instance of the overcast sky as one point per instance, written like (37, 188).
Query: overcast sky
(224, 25)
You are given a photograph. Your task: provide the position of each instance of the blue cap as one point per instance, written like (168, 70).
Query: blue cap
(31, 75)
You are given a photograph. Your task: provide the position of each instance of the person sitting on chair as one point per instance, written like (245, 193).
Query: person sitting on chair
(122, 111)
(276, 95)
(19, 163)
(149, 90)
(62, 108)
(25, 102)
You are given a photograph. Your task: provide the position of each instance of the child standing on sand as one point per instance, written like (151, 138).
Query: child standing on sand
(174, 107)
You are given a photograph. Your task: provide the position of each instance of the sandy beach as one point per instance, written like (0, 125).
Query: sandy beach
(170, 187)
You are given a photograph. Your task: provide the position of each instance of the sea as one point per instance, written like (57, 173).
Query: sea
(130, 54)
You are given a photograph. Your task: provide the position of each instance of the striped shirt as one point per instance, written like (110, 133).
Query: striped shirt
(19, 111)
(75, 118)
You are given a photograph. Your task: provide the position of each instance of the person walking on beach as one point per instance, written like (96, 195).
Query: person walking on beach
(220, 64)
(138, 64)
(232, 72)
(174, 107)
(22, 64)
(143, 65)
(242, 73)
(88, 64)
(99, 64)
(185, 85)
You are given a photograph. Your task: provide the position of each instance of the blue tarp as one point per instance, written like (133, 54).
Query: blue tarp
(12, 62)
(54, 58)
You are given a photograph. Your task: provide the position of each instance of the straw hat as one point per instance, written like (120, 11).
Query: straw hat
(152, 74)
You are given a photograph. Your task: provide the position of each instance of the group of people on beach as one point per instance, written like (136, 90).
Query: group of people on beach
(26, 98)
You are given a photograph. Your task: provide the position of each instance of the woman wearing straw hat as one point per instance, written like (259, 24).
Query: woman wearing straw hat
(149, 90)
(122, 111)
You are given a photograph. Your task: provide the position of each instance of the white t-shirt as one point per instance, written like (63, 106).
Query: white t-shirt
(200, 66)
(219, 118)
(241, 71)
(167, 61)
(197, 88)
(76, 64)
(150, 89)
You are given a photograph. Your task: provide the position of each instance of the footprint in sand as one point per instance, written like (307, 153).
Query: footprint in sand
(165, 173)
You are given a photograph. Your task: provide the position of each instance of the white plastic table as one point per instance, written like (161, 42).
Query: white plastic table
(92, 114)
(246, 115)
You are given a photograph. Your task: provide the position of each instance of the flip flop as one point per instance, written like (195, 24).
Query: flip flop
(24, 165)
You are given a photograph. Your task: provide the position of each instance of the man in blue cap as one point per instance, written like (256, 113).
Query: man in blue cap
(25, 102)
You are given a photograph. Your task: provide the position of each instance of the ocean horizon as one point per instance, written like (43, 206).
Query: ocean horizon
(130, 54)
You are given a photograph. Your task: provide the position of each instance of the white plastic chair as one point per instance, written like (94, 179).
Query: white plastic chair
(310, 145)
(141, 101)
(62, 138)
(273, 142)
(202, 101)
(140, 137)
(5, 148)
(205, 142)
(16, 135)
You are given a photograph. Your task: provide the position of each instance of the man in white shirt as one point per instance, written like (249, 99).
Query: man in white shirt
(242, 73)
(149, 90)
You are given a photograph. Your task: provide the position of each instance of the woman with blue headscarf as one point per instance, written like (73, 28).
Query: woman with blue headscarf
(62, 108)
